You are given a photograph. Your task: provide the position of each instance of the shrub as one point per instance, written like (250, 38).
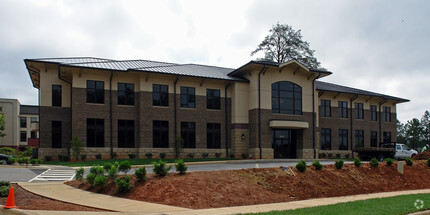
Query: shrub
(25, 160)
(346, 156)
(244, 155)
(162, 155)
(76, 147)
(4, 191)
(28, 152)
(35, 161)
(217, 155)
(100, 181)
(301, 166)
(123, 184)
(8, 151)
(329, 155)
(389, 161)
(409, 161)
(148, 155)
(91, 177)
(131, 156)
(338, 156)
(124, 166)
(60, 157)
(374, 162)
(180, 167)
(113, 173)
(11, 160)
(357, 162)
(160, 168)
(4, 183)
(80, 174)
(113, 155)
(428, 162)
(98, 156)
(48, 158)
(205, 155)
(231, 155)
(190, 155)
(338, 164)
(66, 158)
(83, 157)
(317, 165)
(179, 146)
(107, 166)
(140, 174)
(97, 170)
(116, 164)
(323, 155)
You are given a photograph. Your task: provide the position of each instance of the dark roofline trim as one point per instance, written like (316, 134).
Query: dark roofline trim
(194, 76)
(274, 64)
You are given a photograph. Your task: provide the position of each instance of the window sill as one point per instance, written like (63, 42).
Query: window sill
(126, 105)
(160, 106)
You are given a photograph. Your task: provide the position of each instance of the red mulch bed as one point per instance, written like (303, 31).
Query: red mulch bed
(422, 156)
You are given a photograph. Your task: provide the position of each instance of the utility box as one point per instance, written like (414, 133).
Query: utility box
(400, 166)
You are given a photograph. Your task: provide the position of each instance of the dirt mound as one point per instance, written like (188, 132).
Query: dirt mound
(270, 185)
(422, 156)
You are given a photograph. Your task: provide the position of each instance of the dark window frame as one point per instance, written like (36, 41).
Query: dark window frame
(387, 114)
(213, 135)
(126, 133)
(56, 95)
(290, 94)
(373, 113)
(359, 138)
(160, 134)
(359, 111)
(160, 95)
(325, 139)
(342, 109)
(213, 99)
(343, 139)
(125, 94)
(56, 134)
(95, 92)
(325, 108)
(188, 134)
(95, 132)
(188, 97)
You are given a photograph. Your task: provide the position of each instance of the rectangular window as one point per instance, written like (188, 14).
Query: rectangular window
(125, 94)
(57, 135)
(56, 95)
(387, 114)
(33, 135)
(359, 111)
(325, 139)
(95, 132)
(188, 97)
(160, 134)
(213, 135)
(160, 95)
(125, 133)
(373, 139)
(23, 122)
(95, 92)
(188, 133)
(343, 139)
(359, 138)
(325, 108)
(213, 99)
(23, 136)
(33, 119)
(373, 113)
(387, 137)
(343, 109)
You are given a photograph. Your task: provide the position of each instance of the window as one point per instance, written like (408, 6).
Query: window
(387, 114)
(56, 95)
(33, 135)
(95, 92)
(387, 137)
(160, 134)
(326, 108)
(125, 94)
(325, 139)
(125, 133)
(188, 97)
(373, 113)
(359, 138)
(160, 95)
(343, 109)
(33, 119)
(286, 98)
(343, 139)
(23, 122)
(95, 132)
(213, 99)
(56, 136)
(23, 136)
(188, 133)
(373, 139)
(213, 135)
(359, 111)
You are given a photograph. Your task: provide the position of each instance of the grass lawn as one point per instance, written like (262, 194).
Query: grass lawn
(392, 205)
(132, 161)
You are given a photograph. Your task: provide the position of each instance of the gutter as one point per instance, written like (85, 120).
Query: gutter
(226, 118)
(350, 122)
(175, 118)
(380, 120)
(314, 116)
(259, 109)
(110, 114)
(71, 130)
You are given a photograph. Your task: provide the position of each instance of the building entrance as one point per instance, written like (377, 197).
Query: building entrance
(284, 143)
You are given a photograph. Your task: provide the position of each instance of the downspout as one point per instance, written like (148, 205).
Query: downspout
(314, 116)
(350, 123)
(259, 110)
(226, 119)
(380, 120)
(110, 114)
(71, 130)
(174, 108)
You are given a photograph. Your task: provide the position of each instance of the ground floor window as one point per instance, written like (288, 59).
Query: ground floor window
(23, 136)
(160, 134)
(56, 134)
(126, 133)
(387, 137)
(359, 138)
(95, 132)
(213, 135)
(343, 139)
(325, 139)
(373, 139)
(188, 133)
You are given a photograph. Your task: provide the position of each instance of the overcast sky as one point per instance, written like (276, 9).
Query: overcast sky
(380, 46)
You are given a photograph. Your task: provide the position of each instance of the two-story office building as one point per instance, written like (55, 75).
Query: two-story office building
(263, 109)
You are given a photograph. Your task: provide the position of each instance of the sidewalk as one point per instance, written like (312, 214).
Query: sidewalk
(66, 193)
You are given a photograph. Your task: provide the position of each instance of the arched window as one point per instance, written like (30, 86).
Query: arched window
(286, 98)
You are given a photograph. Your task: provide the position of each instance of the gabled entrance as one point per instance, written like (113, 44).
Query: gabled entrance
(284, 143)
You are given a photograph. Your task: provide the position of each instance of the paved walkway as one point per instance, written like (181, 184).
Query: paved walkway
(66, 193)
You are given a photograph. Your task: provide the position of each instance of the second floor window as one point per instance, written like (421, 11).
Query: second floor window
(160, 95)
(359, 111)
(56, 95)
(387, 114)
(286, 98)
(213, 99)
(373, 113)
(95, 92)
(125, 94)
(23, 122)
(326, 108)
(188, 97)
(343, 109)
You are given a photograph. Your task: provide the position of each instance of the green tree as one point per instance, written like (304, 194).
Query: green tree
(2, 123)
(179, 144)
(284, 43)
(425, 124)
(76, 147)
(414, 133)
(401, 133)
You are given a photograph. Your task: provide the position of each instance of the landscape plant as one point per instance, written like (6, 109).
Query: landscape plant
(8, 151)
(338, 164)
(100, 181)
(148, 155)
(76, 147)
(131, 156)
(107, 167)
(140, 174)
(48, 158)
(389, 162)
(11, 160)
(160, 168)
(323, 155)
(330, 155)
(4, 188)
(231, 155)
(124, 166)
(205, 155)
(181, 167)
(338, 155)
(98, 156)
(190, 155)
(244, 155)
(91, 177)
(217, 155)
(113, 155)
(123, 184)
(374, 162)
(409, 161)
(179, 145)
(83, 157)
(80, 174)
(35, 161)
(162, 155)
(113, 173)
(116, 164)
(347, 156)
(357, 162)
(317, 165)
(428, 162)
(301, 166)
(97, 170)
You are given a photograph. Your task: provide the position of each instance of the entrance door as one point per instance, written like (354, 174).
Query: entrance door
(284, 143)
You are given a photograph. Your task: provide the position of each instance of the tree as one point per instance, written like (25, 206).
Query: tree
(283, 44)
(2, 123)
(179, 144)
(76, 146)
(401, 133)
(414, 133)
(425, 124)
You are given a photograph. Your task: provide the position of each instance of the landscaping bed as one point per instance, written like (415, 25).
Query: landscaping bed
(198, 190)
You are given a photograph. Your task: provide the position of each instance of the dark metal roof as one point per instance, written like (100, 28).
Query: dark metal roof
(324, 86)
(29, 109)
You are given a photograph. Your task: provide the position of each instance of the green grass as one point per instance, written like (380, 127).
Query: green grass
(392, 205)
(132, 161)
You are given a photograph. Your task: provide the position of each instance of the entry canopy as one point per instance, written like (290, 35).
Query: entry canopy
(287, 124)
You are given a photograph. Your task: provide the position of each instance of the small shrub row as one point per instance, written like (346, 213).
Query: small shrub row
(339, 164)
(409, 161)
(4, 188)
(374, 162)
(317, 165)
